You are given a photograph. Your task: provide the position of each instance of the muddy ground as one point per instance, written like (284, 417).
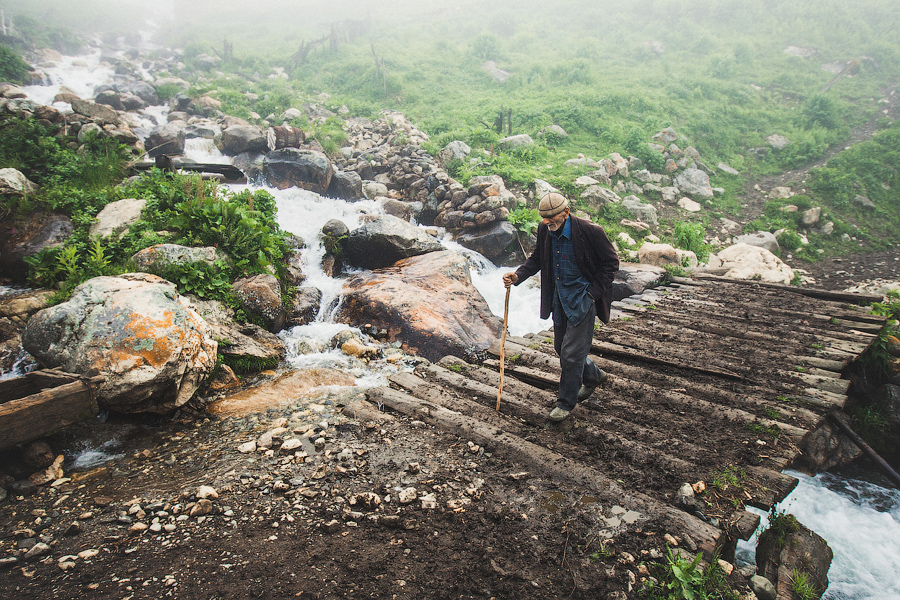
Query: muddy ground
(294, 525)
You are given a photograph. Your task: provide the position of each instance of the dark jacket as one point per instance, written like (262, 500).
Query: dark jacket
(595, 256)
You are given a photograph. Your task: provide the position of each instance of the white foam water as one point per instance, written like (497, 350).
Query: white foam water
(860, 520)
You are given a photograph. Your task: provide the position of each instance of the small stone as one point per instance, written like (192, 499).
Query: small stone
(670, 540)
(290, 445)
(247, 447)
(169, 527)
(203, 507)
(156, 527)
(406, 496)
(762, 587)
(205, 491)
(37, 550)
(85, 516)
(332, 526)
(138, 527)
(90, 553)
(429, 501)
(73, 529)
(66, 565)
(727, 567)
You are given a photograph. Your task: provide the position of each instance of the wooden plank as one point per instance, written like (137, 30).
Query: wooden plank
(550, 464)
(745, 525)
(853, 298)
(775, 487)
(534, 414)
(26, 419)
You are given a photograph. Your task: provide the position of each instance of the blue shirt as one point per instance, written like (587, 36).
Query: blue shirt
(571, 298)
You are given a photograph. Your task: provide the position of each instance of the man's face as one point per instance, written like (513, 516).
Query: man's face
(556, 221)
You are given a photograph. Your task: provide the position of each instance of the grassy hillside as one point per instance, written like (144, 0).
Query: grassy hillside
(610, 73)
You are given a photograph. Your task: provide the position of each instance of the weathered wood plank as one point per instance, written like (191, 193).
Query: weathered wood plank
(25, 419)
(775, 487)
(853, 298)
(550, 464)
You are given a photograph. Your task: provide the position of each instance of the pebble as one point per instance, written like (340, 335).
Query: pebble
(202, 507)
(408, 495)
(90, 553)
(37, 550)
(205, 491)
(247, 447)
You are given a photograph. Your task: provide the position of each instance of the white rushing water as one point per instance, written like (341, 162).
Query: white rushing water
(860, 521)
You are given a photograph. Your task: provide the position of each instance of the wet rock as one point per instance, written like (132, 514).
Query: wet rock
(827, 447)
(305, 308)
(803, 551)
(295, 167)
(762, 587)
(242, 138)
(166, 139)
(385, 240)
(98, 113)
(261, 295)
(249, 341)
(136, 331)
(346, 185)
(25, 238)
(492, 241)
(38, 455)
(427, 302)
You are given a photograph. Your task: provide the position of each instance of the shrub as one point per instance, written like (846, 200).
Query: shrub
(789, 240)
(689, 236)
(12, 67)
(525, 219)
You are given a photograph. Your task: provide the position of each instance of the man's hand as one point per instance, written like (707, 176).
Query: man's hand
(510, 279)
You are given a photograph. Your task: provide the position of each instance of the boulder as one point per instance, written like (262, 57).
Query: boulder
(305, 308)
(634, 279)
(14, 183)
(426, 302)
(596, 197)
(779, 142)
(261, 295)
(396, 208)
(751, 262)
(542, 188)
(455, 150)
(116, 217)
(110, 98)
(298, 167)
(136, 331)
(28, 237)
(492, 241)
(98, 113)
(863, 202)
(802, 551)
(346, 185)
(694, 183)
(166, 139)
(811, 216)
(142, 90)
(250, 344)
(384, 240)
(162, 255)
(658, 255)
(761, 239)
(640, 211)
(242, 138)
(515, 141)
(689, 205)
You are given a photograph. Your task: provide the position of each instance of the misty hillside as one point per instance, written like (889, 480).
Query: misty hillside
(725, 75)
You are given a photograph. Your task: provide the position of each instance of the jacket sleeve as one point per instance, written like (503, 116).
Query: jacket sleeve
(533, 264)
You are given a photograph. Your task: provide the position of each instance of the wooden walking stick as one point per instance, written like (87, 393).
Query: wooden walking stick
(503, 346)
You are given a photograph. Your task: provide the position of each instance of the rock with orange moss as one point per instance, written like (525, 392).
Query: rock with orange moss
(137, 332)
(427, 302)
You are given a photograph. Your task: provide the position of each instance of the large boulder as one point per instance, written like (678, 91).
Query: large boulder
(793, 549)
(346, 185)
(426, 302)
(242, 138)
(261, 295)
(166, 139)
(515, 141)
(751, 262)
(694, 183)
(14, 183)
(596, 197)
(634, 279)
(454, 151)
(98, 113)
(28, 237)
(658, 255)
(761, 239)
(298, 167)
(161, 256)
(141, 89)
(116, 217)
(135, 330)
(384, 240)
(250, 345)
(492, 241)
(645, 213)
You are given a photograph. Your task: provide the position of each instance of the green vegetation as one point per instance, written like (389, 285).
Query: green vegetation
(682, 579)
(525, 219)
(758, 428)
(12, 67)
(802, 587)
(781, 525)
(729, 476)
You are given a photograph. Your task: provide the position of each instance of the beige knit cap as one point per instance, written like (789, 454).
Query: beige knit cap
(552, 204)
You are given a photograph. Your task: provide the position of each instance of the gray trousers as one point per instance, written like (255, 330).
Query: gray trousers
(572, 344)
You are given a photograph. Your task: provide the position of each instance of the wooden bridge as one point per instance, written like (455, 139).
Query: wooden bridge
(711, 380)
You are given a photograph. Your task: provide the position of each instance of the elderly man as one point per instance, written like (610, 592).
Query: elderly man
(577, 263)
